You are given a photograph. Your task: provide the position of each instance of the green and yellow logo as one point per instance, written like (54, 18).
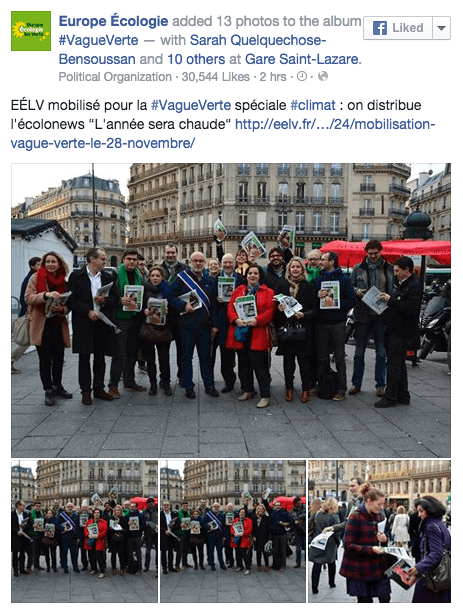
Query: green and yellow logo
(30, 30)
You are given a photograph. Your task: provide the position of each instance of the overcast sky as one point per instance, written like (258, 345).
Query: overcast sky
(29, 180)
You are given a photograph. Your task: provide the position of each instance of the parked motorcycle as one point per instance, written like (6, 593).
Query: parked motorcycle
(435, 323)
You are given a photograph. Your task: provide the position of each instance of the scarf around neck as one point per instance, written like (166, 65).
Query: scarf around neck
(47, 281)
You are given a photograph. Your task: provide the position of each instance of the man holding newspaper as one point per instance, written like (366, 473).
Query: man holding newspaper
(94, 296)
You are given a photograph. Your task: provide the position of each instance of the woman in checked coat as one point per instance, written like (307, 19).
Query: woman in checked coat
(364, 562)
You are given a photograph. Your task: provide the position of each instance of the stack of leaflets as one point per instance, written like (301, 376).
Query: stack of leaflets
(287, 237)
(185, 523)
(229, 518)
(266, 493)
(193, 299)
(225, 288)
(253, 246)
(49, 530)
(103, 291)
(114, 525)
(134, 524)
(332, 301)
(92, 530)
(212, 525)
(219, 230)
(135, 294)
(158, 307)
(238, 528)
(195, 527)
(246, 307)
(52, 302)
(320, 541)
(372, 298)
(38, 525)
(292, 305)
(83, 518)
(399, 571)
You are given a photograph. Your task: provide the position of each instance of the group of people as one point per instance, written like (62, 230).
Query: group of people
(364, 563)
(228, 537)
(107, 321)
(73, 536)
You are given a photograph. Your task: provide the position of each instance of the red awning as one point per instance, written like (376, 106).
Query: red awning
(286, 502)
(143, 502)
(352, 252)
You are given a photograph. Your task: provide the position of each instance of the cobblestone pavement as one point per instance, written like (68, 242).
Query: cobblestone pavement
(42, 586)
(161, 426)
(193, 586)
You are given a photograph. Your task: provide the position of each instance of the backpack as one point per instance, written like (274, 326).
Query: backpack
(328, 385)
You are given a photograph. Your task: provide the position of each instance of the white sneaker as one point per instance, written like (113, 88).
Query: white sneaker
(101, 575)
(247, 572)
(263, 403)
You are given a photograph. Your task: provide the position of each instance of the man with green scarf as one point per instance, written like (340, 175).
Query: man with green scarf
(312, 265)
(126, 320)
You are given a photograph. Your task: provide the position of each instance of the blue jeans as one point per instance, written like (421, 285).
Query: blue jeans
(201, 339)
(375, 326)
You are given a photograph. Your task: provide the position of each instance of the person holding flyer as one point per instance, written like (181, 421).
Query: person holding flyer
(128, 322)
(295, 285)
(331, 328)
(157, 288)
(49, 335)
(251, 336)
(364, 562)
(197, 323)
(325, 517)
(240, 539)
(95, 532)
(434, 538)
(90, 334)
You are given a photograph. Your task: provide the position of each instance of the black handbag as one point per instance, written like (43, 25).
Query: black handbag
(154, 334)
(291, 332)
(439, 578)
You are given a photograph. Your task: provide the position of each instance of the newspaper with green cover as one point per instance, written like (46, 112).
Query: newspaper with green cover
(225, 288)
(159, 309)
(246, 307)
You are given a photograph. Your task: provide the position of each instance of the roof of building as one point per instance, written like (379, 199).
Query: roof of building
(30, 228)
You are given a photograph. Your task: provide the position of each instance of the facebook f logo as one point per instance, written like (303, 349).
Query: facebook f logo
(380, 27)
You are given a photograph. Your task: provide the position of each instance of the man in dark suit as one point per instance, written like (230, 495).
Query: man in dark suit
(168, 523)
(20, 539)
(90, 334)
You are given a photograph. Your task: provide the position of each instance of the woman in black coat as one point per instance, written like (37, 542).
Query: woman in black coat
(261, 533)
(116, 539)
(295, 285)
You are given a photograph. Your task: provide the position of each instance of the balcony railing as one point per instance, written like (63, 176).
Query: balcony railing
(369, 211)
(398, 189)
(397, 213)
(368, 187)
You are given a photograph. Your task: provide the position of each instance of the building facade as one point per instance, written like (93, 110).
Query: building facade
(170, 486)
(324, 201)
(322, 475)
(71, 204)
(77, 479)
(225, 480)
(402, 481)
(431, 194)
(22, 484)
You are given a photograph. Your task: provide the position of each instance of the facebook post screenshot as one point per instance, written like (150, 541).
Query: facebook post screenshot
(236, 307)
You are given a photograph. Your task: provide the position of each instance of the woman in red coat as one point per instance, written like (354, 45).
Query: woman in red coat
(364, 562)
(96, 545)
(250, 337)
(240, 539)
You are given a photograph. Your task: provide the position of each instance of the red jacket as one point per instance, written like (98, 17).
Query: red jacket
(245, 542)
(260, 339)
(100, 544)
